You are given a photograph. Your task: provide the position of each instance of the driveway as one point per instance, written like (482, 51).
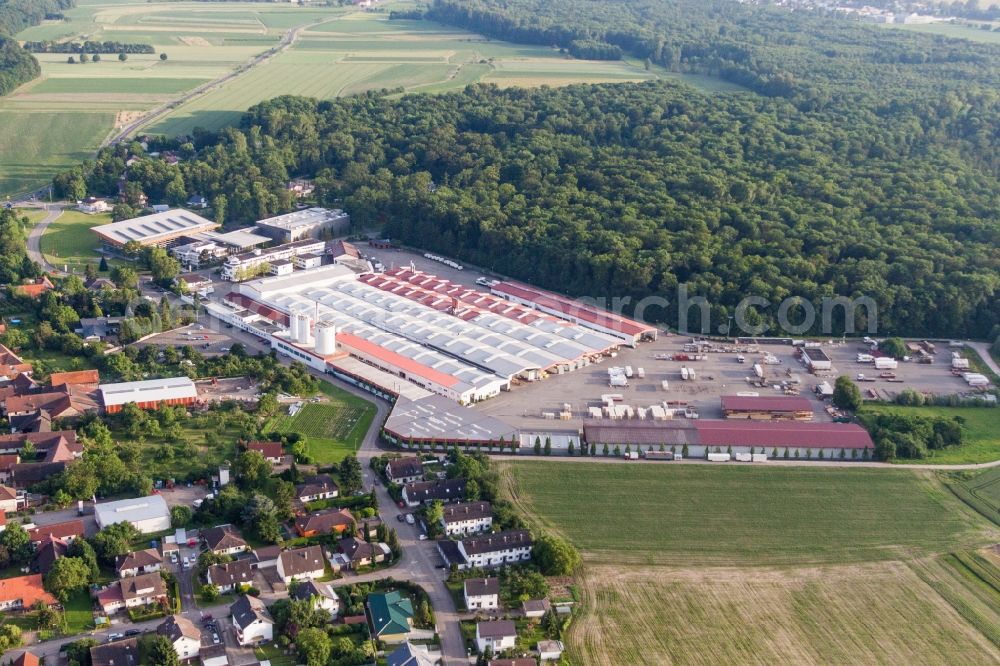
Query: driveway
(53, 211)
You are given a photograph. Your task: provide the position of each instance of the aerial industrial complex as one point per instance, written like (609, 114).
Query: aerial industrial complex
(439, 349)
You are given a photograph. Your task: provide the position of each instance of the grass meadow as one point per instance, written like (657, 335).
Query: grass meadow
(981, 433)
(333, 430)
(699, 564)
(69, 242)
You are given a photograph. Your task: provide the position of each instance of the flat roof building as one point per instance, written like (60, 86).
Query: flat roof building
(146, 514)
(308, 223)
(766, 408)
(156, 230)
(148, 394)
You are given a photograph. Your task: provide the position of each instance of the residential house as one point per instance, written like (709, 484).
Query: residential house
(271, 451)
(182, 634)
(391, 616)
(488, 550)
(214, 655)
(194, 283)
(25, 659)
(517, 661)
(9, 500)
(550, 650)
(26, 475)
(3, 521)
(301, 187)
(329, 521)
(404, 470)
(141, 590)
(99, 328)
(46, 554)
(360, 553)
(482, 593)
(118, 653)
(265, 557)
(320, 486)
(423, 492)
(223, 540)
(496, 635)
(23, 592)
(75, 378)
(11, 365)
(536, 607)
(138, 562)
(68, 531)
(229, 576)
(252, 622)
(322, 596)
(409, 654)
(197, 201)
(93, 206)
(33, 288)
(301, 564)
(7, 463)
(467, 518)
(98, 283)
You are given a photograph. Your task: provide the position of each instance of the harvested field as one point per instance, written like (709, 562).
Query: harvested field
(866, 613)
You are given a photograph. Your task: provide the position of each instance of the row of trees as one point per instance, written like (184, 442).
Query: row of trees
(91, 47)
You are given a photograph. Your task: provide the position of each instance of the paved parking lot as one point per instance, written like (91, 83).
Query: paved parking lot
(720, 373)
(205, 338)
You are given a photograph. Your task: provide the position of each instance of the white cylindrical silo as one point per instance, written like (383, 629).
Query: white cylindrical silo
(293, 327)
(305, 332)
(326, 338)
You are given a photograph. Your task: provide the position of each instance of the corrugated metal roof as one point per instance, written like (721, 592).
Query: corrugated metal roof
(776, 403)
(783, 433)
(149, 390)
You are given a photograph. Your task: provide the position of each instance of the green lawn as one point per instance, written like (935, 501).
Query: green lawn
(273, 654)
(333, 429)
(741, 515)
(79, 613)
(981, 433)
(69, 241)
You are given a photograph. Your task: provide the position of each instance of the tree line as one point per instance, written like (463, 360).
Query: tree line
(88, 47)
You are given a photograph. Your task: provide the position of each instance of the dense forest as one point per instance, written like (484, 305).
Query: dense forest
(866, 164)
(17, 66)
(627, 190)
(16, 15)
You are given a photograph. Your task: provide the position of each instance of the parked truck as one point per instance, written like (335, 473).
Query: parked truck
(743, 457)
(684, 373)
(628, 371)
(886, 363)
(719, 457)
(641, 372)
(632, 455)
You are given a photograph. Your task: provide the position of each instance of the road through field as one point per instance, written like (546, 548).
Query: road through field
(163, 110)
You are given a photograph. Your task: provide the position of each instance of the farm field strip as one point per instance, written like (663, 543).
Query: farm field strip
(744, 515)
(333, 430)
(865, 613)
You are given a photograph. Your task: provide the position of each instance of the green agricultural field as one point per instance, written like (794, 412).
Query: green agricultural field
(958, 31)
(333, 429)
(785, 564)
(34, 145)
(981, 433)
(738, 515)
(113, 85)
(360, 52)
(69, 241)
(980, 489)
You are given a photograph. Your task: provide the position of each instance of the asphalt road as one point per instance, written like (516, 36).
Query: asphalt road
(53, 211)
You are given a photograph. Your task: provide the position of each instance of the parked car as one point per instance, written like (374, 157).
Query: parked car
(115, 637)
(215, 639)
(423, 537)
(399, 517)
(409, 519)
(132, 632)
